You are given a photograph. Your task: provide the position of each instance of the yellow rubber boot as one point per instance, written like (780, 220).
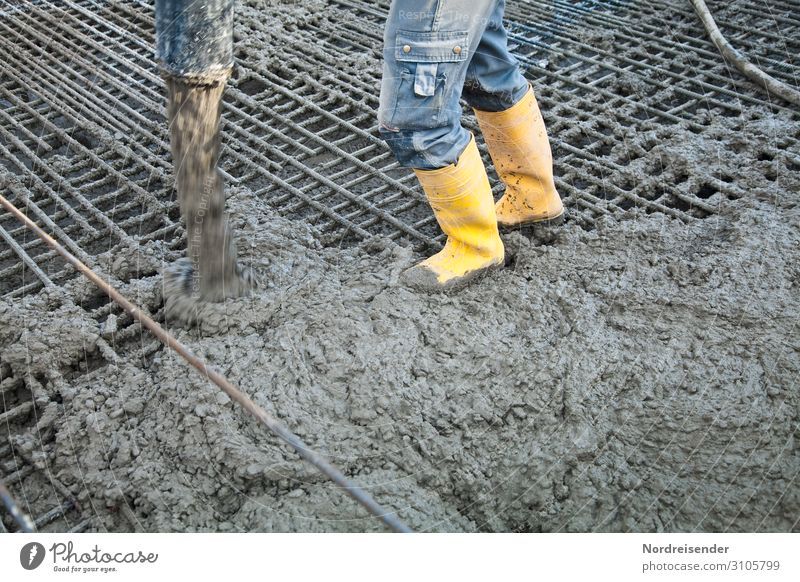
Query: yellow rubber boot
(462, 201)
(517, 141)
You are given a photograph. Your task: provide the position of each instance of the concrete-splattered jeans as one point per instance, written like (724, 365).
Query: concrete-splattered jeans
(435, 52)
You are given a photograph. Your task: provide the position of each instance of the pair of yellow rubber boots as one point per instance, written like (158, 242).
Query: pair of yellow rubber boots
(461, 196)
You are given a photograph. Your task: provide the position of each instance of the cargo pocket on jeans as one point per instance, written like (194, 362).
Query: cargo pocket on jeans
(422, 90)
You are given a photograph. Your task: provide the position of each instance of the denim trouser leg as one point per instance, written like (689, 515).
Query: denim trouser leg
(494, 82)
(431, 47)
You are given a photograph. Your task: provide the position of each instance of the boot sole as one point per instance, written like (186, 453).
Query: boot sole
(534, 224)
(455, 285)
(467, 280)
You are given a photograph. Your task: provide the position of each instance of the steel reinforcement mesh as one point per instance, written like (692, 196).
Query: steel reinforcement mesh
(84, 146)
(84, 143)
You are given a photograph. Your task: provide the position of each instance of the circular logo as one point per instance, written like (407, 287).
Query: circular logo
(31, 555)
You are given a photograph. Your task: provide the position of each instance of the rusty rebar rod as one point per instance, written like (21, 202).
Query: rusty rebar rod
(273, 424)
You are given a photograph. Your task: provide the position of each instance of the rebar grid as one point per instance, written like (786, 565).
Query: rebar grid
(20, 466)
(84, 145)
(83, 138)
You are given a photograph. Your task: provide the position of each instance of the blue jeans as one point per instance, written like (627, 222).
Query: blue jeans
(436, 52)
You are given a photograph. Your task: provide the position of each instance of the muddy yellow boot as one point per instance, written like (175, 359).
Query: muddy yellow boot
(461, 199)
(517, 141)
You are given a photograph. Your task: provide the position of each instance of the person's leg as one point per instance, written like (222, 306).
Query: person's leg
(514, 130)
(428, 44)
(494, 81)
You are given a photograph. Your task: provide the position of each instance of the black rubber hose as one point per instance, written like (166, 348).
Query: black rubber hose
(23, 521)
(737, 59)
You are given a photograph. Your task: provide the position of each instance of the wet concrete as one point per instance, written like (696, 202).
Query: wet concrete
(210, 272)
(637, 376)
